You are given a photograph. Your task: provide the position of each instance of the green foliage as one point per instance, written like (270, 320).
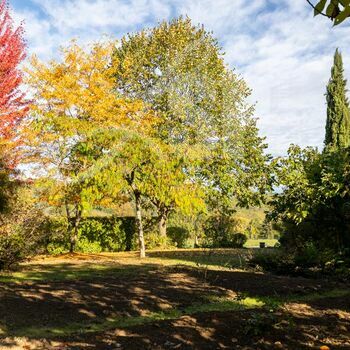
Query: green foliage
(298, 174)
(307, 261)
(12, 250)
(56, 239)
(154, 241)
(312, 206)
(6, 186)
(338, 113)
(179, 70)
(237, 168)
(336, 10)
(220, 231)
(104, 234)
(23, 228)
(96, 234)
(180, 237)
(312, 210)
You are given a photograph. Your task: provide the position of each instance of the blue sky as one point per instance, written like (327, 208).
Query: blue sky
(278, 47)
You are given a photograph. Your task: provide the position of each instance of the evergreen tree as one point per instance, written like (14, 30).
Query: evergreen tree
(338, 115)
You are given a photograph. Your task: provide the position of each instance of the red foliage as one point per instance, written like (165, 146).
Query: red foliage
(13, 106)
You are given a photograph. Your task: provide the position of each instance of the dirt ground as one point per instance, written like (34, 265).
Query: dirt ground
(300, 322)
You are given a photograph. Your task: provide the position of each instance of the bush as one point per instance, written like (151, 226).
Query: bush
(12, 250)
(279, 262)
(220, 232)
(23, 229)
(56, 239)
(180, 237)
(102, 235)
(308, 261)
(154, 241)
(98, 234)
(86, 246)
(238, 240)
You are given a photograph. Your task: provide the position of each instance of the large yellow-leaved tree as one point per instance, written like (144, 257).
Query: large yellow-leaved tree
(73, 97)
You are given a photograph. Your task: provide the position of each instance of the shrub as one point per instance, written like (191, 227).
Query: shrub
(277, 261)
(103, 234)
(308, 261)
(154, 241)
(22, 230)
(86, 246)
(56, 239)
(220, 232)
(12, 250)
(238, 240)
(180, 237)
(97, 234)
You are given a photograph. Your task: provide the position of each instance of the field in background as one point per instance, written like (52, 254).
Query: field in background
(254, 243)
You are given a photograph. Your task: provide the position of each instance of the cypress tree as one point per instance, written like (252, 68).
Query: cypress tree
(338, 114)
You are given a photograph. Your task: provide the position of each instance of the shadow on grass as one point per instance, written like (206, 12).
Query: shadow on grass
(68, 299)
(157, 307)
(71, 271)
(229, 258)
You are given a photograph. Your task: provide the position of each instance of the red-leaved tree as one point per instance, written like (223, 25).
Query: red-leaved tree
(13, 106)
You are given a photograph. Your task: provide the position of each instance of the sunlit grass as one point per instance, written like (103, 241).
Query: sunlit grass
(254, 243)
(88, 266)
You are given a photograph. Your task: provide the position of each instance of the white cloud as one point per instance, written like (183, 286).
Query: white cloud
(280, 49)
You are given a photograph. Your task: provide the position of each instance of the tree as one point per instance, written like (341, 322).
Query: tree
(299, 175)
(173, 186)
(13, 106)
(338, 113)
(336, 10)
(314, 203)
(143, 167)
(178, 69)
(72, 98)
(175, 67)
(6, 186)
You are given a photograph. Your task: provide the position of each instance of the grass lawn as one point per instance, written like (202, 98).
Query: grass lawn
(197, 299)
(254, 243)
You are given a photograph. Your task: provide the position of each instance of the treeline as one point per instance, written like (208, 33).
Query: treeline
(159, 121)
(156, 119)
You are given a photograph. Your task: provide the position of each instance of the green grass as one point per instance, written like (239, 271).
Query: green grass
(254, 243)
(63, 272)
(129, 265)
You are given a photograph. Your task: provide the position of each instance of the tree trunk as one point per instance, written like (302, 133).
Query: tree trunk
(74, 230)
(196, 243)
(69, 227)
(139, 224)
(73, 240)
(163, 225)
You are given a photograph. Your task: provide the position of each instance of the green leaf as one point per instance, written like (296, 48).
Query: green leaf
(330, 9)
(342, 16)
(344, 3)
(319, 7)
